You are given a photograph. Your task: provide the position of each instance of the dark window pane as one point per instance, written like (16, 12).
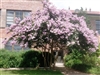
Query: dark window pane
(98, 31)
(25, 14)
(19, 14)
(10, 13)
(98, 26)
(0, 12)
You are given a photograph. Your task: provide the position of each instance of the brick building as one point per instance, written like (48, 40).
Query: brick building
(9, 9)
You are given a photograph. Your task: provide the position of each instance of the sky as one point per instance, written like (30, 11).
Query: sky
(94, 5)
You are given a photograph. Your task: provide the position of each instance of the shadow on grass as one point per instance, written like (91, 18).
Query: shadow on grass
(33, 72)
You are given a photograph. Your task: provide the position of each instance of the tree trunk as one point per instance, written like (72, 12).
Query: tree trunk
(51, 53)
(44, 57)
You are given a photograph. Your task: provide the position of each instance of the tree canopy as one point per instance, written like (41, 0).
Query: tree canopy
(53, 27)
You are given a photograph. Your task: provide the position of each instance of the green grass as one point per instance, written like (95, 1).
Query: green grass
(29, 72)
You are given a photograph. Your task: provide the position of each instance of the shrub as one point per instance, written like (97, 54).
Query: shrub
(73, 58)
(30, 59)
(10, 59)
(94, 70)
(81, 60)
(26, 59)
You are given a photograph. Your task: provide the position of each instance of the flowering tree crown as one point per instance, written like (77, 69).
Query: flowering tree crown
(52, 24)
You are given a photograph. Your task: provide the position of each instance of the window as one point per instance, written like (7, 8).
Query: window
(8, 46)
(12, 14)
(98, 26)
(0, 18)
(0, 12)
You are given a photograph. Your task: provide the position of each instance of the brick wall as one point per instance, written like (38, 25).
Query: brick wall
(93, 19)
(31, 5)
(21, 5)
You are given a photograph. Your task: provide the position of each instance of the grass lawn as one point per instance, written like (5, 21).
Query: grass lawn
(29, 72)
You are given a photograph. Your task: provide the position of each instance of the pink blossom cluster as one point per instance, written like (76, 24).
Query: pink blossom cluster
(21, 31)
(55, 24)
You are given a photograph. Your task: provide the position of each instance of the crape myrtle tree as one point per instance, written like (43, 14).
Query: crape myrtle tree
(53, 29)
(82, 12)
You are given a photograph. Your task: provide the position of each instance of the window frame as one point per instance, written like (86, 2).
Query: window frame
(15, 47)
(14, 15)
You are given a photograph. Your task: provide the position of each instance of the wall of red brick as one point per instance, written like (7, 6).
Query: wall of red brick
(21, 5)
(3, 33)
(93, 19)
(31, 5)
